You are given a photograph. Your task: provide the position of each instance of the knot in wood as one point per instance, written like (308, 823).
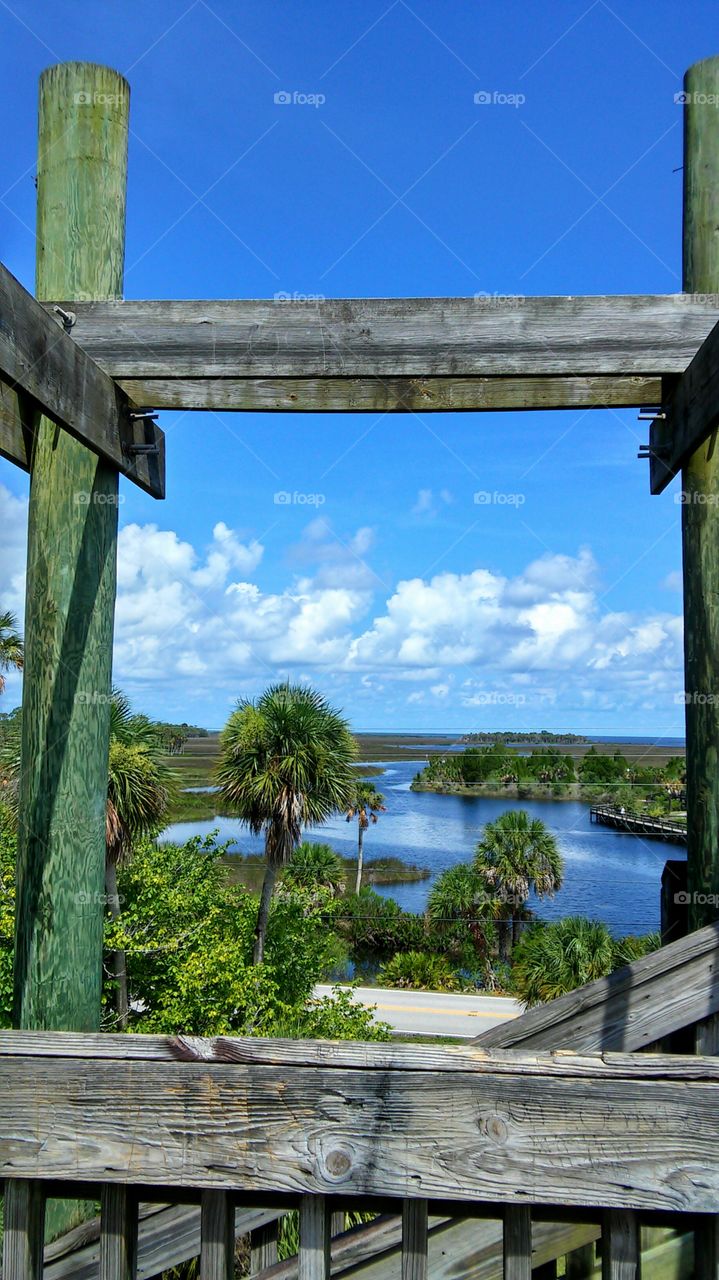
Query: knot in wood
(336, 1164)
(493, 1127)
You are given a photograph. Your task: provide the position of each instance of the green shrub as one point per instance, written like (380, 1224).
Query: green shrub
(419, 971)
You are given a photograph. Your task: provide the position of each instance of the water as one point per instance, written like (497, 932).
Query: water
(608, 876)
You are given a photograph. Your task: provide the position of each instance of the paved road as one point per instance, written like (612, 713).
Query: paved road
(432, 1013)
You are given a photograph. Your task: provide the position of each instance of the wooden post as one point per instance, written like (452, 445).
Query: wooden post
(517, 1250)
(118, 1233)
(72, 541)
(23, 1230)
(414, 1239)
(620, 1245)
(314, 1254)
(263, 1247)
(70, 594)
(700, 510)
(217, 1236)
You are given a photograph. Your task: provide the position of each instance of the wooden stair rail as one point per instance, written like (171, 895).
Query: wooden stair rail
(673, 988)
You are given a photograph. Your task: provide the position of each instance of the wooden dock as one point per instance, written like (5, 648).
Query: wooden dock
(638, 824)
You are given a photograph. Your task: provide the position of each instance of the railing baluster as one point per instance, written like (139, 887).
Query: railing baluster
(314, 1256)
(217, 1236)
(579, 1264)
(414, 1239)
(620, 1245)
(706, 1247)
(337, 1224)
(118, 1233)
(517, 1242)
(263, 1247)
(24, 1229)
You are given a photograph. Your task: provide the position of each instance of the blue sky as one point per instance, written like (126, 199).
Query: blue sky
(556, 604)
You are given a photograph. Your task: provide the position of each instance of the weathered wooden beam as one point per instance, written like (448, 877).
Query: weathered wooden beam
(40, 361)
(118, 1233)
(392, 394)
(23, 1231)
(395, 337)
(700, 513)
(691, 415)
(672, 988)
(527, 1129)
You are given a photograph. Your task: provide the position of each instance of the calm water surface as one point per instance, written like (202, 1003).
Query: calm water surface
(609, 876)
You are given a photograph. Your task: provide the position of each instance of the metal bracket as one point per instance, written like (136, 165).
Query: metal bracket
(68, 318)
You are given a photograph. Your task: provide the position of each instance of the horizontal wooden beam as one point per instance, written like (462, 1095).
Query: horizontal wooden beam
(391, 395)
(663, 992)
(691, 415)
(523, 1129)
(43, 370)
(394, 338)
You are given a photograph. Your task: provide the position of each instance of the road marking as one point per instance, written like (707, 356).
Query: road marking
(446, 1013)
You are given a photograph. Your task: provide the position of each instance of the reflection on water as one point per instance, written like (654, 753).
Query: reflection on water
(608, 875)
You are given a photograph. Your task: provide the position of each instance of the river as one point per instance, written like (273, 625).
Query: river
(608, 876)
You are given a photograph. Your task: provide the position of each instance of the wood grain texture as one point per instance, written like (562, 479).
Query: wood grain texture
(118, 1233)
(314, 1256)
(385, 394)
(517, 1242)
(561, 1131)
(692, 414)
(72, 535)
(414, 1239)
(620, 1246)
(23, 1231)
(394, 337)
(217, 1247)
(700, 514)
(18, 420)
(653, 997)
(40, 360)
(263, 1247)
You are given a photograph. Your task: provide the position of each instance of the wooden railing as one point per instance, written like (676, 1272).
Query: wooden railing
(636, 823)
(518, 1145)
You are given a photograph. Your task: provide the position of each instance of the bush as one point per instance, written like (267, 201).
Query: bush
(551, 959)
(419, 971)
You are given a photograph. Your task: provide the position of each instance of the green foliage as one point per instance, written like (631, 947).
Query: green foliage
(378, 927)
(11, 646)
(187, 935)
(314, 866)
(419, 971)
(552, 959)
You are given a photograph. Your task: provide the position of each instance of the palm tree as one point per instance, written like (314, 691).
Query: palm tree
(285, 763)
(367, 802)
(552, 959)
(314, 866)
(138, 795)
(11, 646)
(516, 854)
(462, 894)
